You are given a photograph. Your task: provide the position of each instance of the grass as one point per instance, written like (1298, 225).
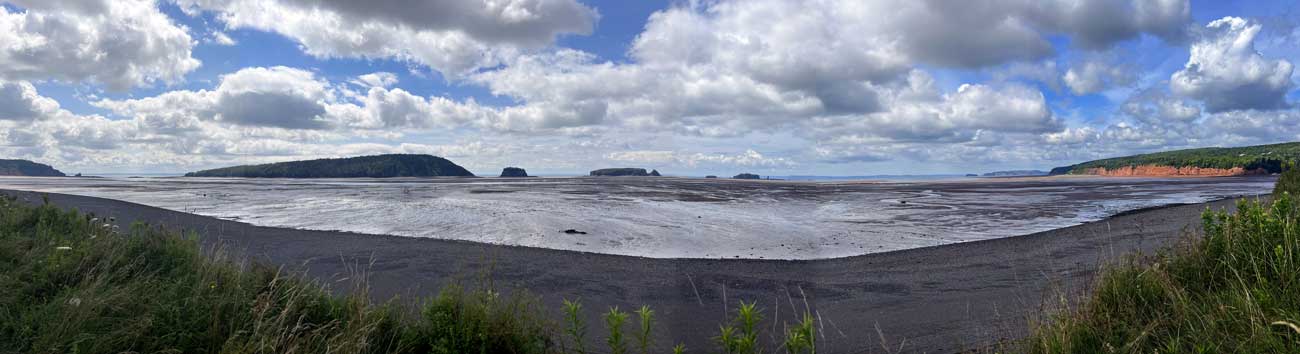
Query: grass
(1288, 182)
(71, 283)
(1236, 289)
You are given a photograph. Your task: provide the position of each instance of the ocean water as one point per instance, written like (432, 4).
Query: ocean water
(664, 217)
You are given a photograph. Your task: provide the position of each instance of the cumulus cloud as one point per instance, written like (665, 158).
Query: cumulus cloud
(121, 44)
(453, 37)
(378, 79)
(748, 158)
(1226, 72)
(279, 97)
(20, 102)
(1094, 76)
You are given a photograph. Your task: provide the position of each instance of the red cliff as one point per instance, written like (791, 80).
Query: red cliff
(1163, 171)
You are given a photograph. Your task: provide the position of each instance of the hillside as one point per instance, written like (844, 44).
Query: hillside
(27, 168)
(1248, 160)
(394, 165)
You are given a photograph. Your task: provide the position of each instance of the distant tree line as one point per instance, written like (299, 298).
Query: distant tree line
(1268, 157)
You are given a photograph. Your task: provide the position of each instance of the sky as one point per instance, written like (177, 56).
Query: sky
(775, 87)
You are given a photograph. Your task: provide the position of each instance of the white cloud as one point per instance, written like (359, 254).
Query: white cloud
(748, 158)
(121, 44)
(452, 37)
(20, 102)
(1226, 72)
(221, 38)
(1095, 76)
(377, 79)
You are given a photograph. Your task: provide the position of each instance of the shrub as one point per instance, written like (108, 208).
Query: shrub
(1231, 291)
(1288, 182)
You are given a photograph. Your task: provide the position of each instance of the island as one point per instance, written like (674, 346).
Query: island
(747, 176)
(28, 168)
(620, 172)
(513, 172)
(376, 166)
(655, 173)
(1016, 173)
(1213, 161)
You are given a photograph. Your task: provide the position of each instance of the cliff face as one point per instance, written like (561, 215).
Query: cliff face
(1162, 171)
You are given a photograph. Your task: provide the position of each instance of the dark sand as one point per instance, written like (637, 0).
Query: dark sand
(936, 299)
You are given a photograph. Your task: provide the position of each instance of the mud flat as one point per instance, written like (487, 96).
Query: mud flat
(933, 299)
(663, 217)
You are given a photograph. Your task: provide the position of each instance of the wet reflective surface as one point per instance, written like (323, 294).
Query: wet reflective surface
(664, 217)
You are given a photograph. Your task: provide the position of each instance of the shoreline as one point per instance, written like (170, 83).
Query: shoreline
(939, 298)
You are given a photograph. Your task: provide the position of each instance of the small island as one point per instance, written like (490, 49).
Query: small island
(28, 168)
(747, 176)
(620, 172)
(513, 172)
(1016, 173)
(377, 166)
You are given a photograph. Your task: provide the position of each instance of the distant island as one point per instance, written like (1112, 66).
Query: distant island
(28, 168)
(377, 166)
(747, 176)
(1214, 161)
(513, 172)
(621, 172)
(1016, 173)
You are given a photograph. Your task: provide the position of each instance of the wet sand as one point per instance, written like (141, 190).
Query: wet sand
(935, 299)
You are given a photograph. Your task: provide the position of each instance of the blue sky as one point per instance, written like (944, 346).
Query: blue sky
(690, 88)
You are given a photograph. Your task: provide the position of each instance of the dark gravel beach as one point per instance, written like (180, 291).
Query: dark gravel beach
(936, 299)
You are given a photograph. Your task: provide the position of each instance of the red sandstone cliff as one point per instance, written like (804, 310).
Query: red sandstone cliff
(1160, 171)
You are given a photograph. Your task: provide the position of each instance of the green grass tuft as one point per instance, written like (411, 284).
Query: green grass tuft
(71, 284)
(1234, 290)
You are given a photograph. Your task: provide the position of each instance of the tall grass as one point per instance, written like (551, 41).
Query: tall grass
(1234, 290)
(1288, 182)
(71, 283)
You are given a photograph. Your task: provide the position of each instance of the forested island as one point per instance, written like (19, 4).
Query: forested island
(27, 168)
(377, 166)
(1214, 161)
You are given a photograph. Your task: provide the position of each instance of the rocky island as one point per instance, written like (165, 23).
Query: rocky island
(513, 172)
(377, 166)
(747, 176)
(620, 172)
(27, 168)
(1214, 161)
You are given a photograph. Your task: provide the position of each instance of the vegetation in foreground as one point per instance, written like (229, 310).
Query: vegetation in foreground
(1234, 290)
(1268, 157)
(71, 283)
(1288, 182)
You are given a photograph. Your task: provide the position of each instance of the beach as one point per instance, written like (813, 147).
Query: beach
(942, 298)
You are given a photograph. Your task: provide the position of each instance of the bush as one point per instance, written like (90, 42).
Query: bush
(1289, 182)
(1232, 291)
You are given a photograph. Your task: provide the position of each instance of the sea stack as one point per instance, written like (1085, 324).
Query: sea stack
(513, 172)
(655, 173)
